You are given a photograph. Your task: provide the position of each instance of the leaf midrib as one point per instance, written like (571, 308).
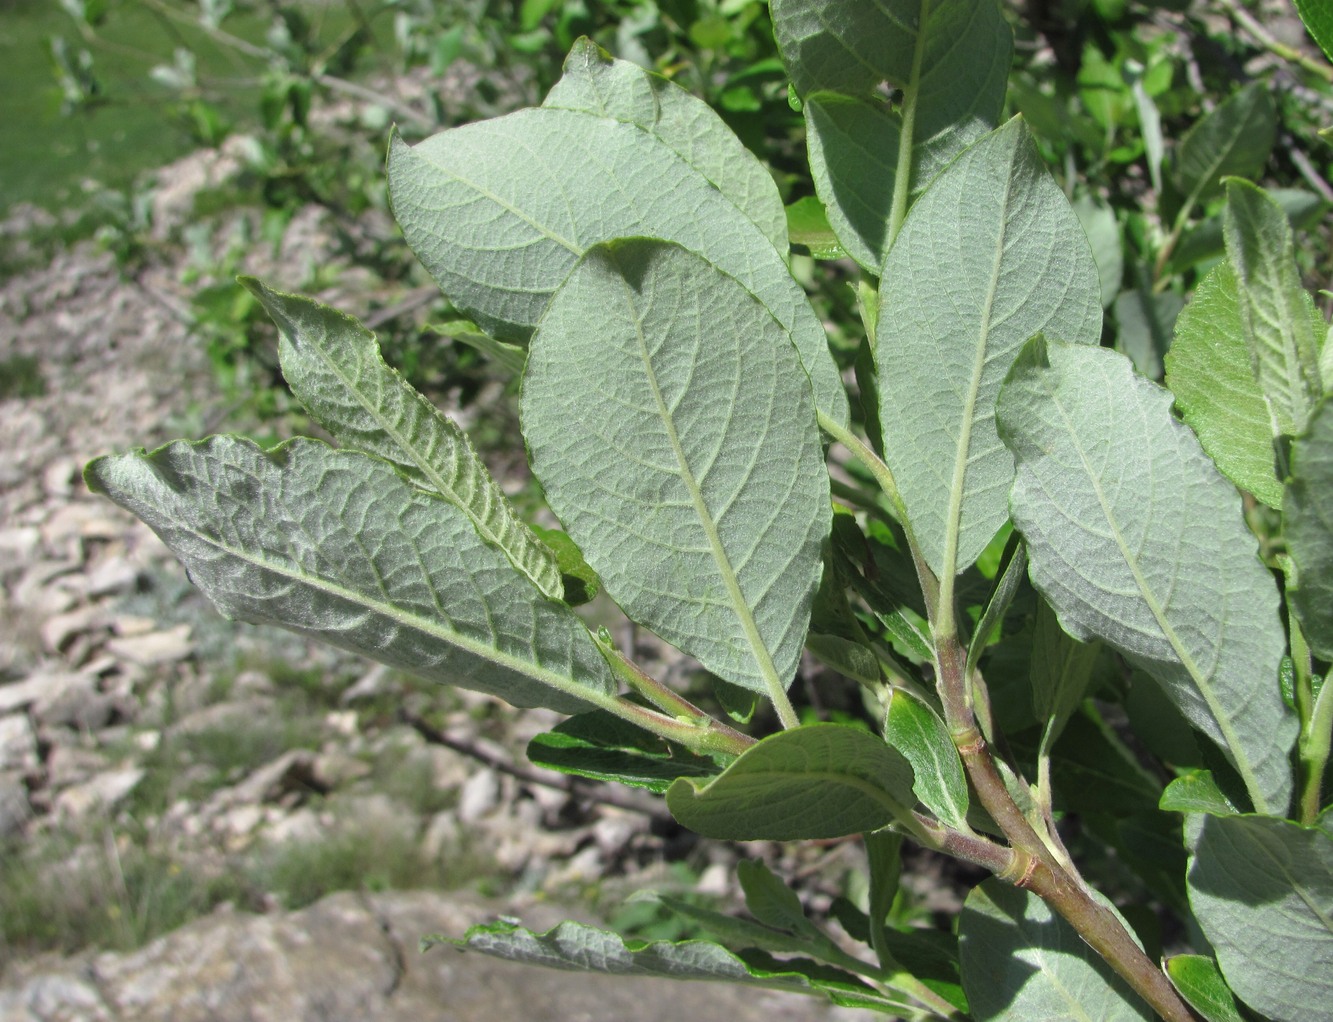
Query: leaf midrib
(740, 606)
(1201, 681)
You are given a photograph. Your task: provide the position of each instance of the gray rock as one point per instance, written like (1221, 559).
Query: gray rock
(41, 687)
(18, 745)
(103, 793)
(162, 647)
(14, 809)
(353, 958)
(479, 795)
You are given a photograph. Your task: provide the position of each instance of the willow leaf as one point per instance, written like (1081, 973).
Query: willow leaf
(338, 545)
(501, 210)
(1274, 313)
(333, 365)
(991, 254)
(1134, 538)
(1233, 140)
(692, 477)
(1208, 370)
(597, 83)
(1308, 526)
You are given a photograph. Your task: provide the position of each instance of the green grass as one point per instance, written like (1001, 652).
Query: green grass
(21, 376)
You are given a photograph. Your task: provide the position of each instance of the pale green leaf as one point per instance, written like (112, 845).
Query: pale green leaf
(1196, 792)
(692, 474)
(1234, 140)
(579, 948)
(1262, 891)
(1134, 538)
(1144, 323)
(1060, 671)
(338, 545)
(1197, 978)
(1208, 370)
(808, 227)
(1308, 527)
(1022, 962)
(597, 83)
(990, 255)
(332, 364)
(954, 96)
(915, 730)
(511, 356)
(812, 782)
(500, 211)
(1099, 224)
(1274, 312)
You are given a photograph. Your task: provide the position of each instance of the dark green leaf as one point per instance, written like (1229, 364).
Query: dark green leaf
(1144, 324)
(817, 781)
(1234, 140)
(1318, 18)
(1060, 672)
(605, 748)
(1308, 526)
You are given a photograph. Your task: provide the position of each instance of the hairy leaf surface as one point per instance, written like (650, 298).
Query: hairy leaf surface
(1262, 890)
(1208, 370)
(338, 545)
(1023, 962)
(692, 477)
(1135, 539)
(597, 83)
(1308, 527)
(332, 364)
(991, 254)
(812, 782)
(501, 210)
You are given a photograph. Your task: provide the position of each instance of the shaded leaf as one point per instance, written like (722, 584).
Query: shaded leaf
(1208, 370)
(1021, 962)
(602, 747)
(1060, 671)
(1262, 891)
(770, 900)
(817, 781)
(1144, 324)
(915, 730)
(511, 356)
(284, 537)
(1234, 140)
(332, 364)
(1205, 241)
(597, 83)
(1308, 527)
(1099, 223)
(1135, 539)
(692, 477)
(1274, 313)
(990, 255)
(501, 210)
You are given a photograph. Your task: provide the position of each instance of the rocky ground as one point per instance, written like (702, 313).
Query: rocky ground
(166, 776)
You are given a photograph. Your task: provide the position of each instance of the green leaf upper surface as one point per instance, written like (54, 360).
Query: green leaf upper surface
(1318, 18)
(692, 476)
(1208, 370)
(1274, 312)
(915, 730)
(597, 83)
(501, 210)
(1308, 527)
(1262, 891)
(1197, 978)
(955, 93)
(333, 365)
(338, 545)
(1134, 538)
(1233, 140)
(1022, 962)
(991, 254)
(812, 782)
